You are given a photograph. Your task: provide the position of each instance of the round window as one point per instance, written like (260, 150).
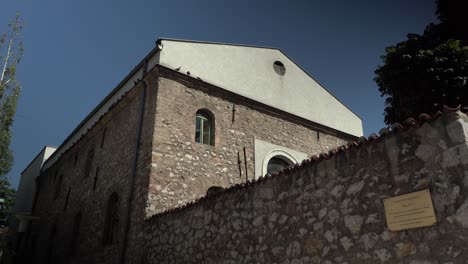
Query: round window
(279, 68)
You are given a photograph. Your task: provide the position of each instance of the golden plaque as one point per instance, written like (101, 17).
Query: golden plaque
(410, 210)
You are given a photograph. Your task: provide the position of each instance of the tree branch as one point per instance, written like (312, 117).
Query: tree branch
(6, 59)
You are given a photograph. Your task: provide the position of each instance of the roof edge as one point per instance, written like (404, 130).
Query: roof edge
(37, 156)
(214, 43)
(106, 98)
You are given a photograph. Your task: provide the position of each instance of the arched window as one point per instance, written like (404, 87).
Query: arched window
(277, 160)
(76, 234)
(51, 246)
(276, 164)
(111, 223)
(204, 127)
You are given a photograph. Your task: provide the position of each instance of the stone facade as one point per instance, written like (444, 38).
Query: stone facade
(143, 150)
(330, 209)
(183, 170)
(88, 182)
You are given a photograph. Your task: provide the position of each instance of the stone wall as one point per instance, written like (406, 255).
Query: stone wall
(330, 209)
(171, 168)
(113, 140)
(183, 170)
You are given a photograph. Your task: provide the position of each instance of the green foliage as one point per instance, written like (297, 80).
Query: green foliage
(7, 193)
(424, 72)
(11, 52)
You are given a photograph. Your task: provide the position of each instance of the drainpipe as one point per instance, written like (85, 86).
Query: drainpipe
(123, 251)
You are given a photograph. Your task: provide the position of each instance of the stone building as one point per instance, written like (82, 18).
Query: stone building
(191, 117)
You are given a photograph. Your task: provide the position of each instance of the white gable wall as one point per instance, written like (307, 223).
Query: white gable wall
(244, 70)
(248, 71)
(27, 185)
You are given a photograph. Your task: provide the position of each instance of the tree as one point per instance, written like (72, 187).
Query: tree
(452, 14)
(11, 52)
(8, 195)
(425, 71)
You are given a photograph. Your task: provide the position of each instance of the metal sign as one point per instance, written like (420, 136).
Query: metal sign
(410, 210)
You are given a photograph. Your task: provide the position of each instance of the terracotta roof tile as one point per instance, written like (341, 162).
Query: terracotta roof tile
(422, 118)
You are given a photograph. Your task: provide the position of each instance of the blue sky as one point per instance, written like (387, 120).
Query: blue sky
(77, 51)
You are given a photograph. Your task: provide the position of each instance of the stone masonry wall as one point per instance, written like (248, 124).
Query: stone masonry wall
(183, 170)
(111, 169)
(331, 210)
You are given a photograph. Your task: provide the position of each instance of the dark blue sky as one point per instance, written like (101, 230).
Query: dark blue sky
(77, 51)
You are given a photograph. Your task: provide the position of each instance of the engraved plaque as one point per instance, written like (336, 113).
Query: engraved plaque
(410, 210)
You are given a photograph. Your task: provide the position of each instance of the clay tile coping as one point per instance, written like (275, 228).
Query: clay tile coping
(384, 132)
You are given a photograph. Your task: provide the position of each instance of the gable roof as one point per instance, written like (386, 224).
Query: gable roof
(250, 87)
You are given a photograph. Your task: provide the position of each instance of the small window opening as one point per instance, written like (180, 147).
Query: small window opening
(76, 159)
(279, 68)
(233, 113)
(276, 164)
(112, 220)
(66, 199)
(89, 163)
(103, 137)
(75, 234)
(58, 185)
(96, 178)
(204, 128)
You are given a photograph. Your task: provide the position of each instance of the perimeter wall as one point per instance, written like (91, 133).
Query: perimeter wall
(330, 209)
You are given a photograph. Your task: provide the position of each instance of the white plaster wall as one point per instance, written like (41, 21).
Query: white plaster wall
(27, 185)
(264, 151)
(248, 71)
